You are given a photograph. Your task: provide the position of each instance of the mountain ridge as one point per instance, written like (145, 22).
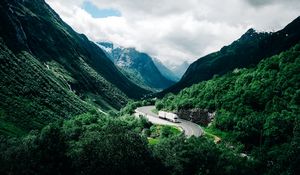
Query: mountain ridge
(48, 69)
(242, 53)
(137, 66)
(165, 71)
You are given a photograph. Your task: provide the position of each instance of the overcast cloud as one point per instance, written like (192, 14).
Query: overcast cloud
(177, 30)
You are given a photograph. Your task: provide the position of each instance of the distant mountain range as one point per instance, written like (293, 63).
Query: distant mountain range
(138, 67)
(247, 51)
(166, 71)
(48, 70)
(179, 70)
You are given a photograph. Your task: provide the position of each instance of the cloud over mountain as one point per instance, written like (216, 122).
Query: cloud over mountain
(174, 30)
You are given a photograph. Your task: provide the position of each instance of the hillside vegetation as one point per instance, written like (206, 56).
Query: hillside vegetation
(95, 144)
(47, 70)
(246, 52)
(259, 107)
(32, 96)
(60, 93)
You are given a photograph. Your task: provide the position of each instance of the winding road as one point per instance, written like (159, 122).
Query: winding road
(189, 128)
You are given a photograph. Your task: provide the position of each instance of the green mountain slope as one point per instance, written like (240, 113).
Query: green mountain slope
(245, 52)
(46, 68)
(31, 95)
(260, 107)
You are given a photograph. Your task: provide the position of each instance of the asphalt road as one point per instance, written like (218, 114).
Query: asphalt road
(189, 128)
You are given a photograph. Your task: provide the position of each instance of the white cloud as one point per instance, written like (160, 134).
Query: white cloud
(177, 30)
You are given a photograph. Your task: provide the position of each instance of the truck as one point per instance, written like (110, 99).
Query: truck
(168, 116)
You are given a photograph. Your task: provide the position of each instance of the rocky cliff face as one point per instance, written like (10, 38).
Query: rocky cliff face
(165, 71)
(200, 116)
(137, 66)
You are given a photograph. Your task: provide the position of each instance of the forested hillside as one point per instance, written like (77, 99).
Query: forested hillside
(47, 69)
(31, 95)
(65, 108)
(244, 53)
(95, 144)
(259, 107)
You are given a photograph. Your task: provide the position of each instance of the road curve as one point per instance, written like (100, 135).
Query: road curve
(189, 128)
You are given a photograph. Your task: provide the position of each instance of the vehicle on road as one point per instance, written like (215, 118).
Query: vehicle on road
(168, 116)
(189, 128)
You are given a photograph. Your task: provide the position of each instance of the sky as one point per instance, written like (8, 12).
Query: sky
(174, 31)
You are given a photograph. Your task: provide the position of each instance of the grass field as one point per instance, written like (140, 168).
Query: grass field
(158, 132)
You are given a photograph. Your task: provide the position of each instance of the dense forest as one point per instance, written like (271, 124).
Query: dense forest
(92, 143)
(65, 108)
(258, 107)
(50, 72)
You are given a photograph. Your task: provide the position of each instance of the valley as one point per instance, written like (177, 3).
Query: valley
(138, 67)
(73, 104)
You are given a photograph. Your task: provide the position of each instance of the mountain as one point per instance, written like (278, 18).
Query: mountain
(47, 69)
(137, 66)
(165, 71)
(256, 107)
(179, 70)
(245, 52)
